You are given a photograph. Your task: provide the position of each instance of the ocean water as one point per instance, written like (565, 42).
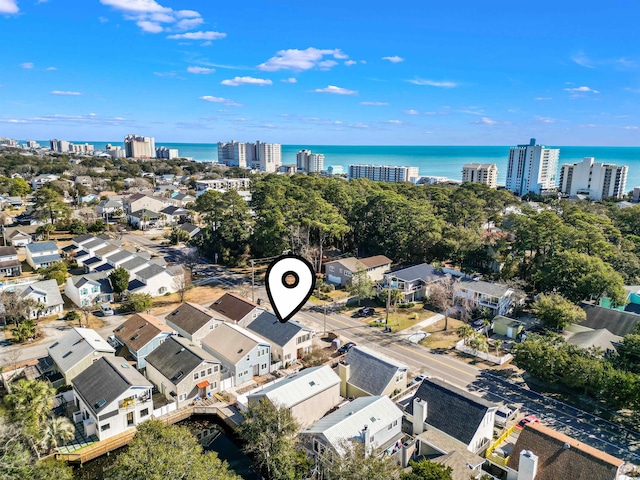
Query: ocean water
(442, 161)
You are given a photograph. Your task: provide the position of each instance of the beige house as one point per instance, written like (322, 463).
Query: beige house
(77, 350)
(192, 321)
(364, 372)
(341, 271)
(236, 309)
(309, 394)
(182, 371)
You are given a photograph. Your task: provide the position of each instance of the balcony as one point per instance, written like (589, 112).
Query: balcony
(131, 403)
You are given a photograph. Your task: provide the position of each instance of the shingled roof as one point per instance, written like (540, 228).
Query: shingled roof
(190, 317)
(370, 371)
(617, 322)
(140, 329)
(557, 462)
(176, 358)
(451, 410)
(233, 306)
(268, 326)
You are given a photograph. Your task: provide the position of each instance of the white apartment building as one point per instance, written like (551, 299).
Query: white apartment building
(168, 153)
(115, 151)
(480, 173)
(268, 157)
(136, 146)
(595, 179)
(309, 162)
(84, 148)
(532, 168)
(60, 146)
(384, 173)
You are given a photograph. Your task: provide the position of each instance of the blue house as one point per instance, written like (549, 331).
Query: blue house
(141, 334)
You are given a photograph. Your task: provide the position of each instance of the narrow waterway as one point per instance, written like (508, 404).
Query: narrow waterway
(227, 447)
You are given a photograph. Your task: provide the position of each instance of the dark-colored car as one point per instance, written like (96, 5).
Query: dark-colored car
(346, 347)
(365, 312)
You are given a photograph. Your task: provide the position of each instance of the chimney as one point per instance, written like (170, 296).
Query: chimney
(366, 434)
(419, 415)
(407, 450)
(344, 372)
(528, 465)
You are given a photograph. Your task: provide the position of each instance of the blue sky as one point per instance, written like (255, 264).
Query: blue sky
(417, 72)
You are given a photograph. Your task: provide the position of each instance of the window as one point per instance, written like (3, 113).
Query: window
(209, 370)
(202, 373)
(287, 357)
(395, 423)
(144, 413)
(248, 357)
(215, 369)
(390, 426)
(66, 355)
(398, 378)
(195, 376)
(264, 366)
(104, 427)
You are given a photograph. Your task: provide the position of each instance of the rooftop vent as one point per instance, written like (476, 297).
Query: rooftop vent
(124, 365)
(566, 446)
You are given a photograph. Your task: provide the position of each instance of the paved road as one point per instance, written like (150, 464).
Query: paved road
(592, 430)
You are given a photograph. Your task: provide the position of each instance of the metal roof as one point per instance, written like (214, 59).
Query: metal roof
(299, 387)
(75, 346)
(38, 247)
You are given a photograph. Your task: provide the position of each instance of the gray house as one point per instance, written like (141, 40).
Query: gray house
(192, 321)
(289, 341)
(364, 372)
(242, 354)
(341, 271)
(182, 371)
(413, 282)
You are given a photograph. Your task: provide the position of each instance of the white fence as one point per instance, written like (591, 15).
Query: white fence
(484, 356)
(62, 398)
(158, 412)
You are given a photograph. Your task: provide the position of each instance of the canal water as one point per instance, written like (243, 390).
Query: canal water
(226, 445)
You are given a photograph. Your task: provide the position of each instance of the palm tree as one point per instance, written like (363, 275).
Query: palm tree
(497, 344)
(29, 403)
(55, 431)
(25, 330)
(465, 332)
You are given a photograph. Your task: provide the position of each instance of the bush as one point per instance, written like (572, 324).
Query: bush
(327, 287)
(137, 302)
(406, 305)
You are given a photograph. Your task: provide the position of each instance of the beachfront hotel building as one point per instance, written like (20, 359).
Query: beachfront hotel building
(480, 173)
(532, 168)
(593, 179)
(265, 157)
(136, 146)
(309, 162)
(384, 173)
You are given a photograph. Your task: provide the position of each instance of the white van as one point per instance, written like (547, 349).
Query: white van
(106, 310)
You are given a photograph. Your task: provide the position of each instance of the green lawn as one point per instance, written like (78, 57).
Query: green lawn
(402, 318)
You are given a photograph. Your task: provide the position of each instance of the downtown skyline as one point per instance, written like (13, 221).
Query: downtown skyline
(357, 73)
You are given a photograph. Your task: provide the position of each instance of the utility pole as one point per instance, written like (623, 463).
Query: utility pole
(253, 280)
(324, 318)
(388, 301)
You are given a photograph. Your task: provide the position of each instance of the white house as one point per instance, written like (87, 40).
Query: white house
(499, 298)
(140, 201)
(182, 371)
(112, 396)
(236, 309)
(374, 421)
(89, 289)
(10, 266)
(42, 254)
(76, 350)
(155, 280)
(452, 411)
(46, 293)
(289, 341)
(241, 353)
(193, 321)
(413, 282)
(309, 394)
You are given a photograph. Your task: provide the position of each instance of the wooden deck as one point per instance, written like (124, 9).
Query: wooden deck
(98, 449)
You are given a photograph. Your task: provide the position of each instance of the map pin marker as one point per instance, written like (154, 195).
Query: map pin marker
(290, 281)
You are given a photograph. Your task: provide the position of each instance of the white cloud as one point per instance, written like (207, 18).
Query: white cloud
(103, 19)
(165, 74)
(66, 93)
(189, 23)
(581, 59)
(26, 65)
(348, 63)
(289, 80)
(149, 27)
(200, 70)
(375, 104)
(90, 118)
(486, 121)
(394, 59)
(198, 36)
(412, 112)
(9, 6)
(434, 83)
(582, 89)
(136, 6)
(542, 99)
(336, 90)
(540, 119)
(51, 69)
(237, 81)
(395, 122)
(634, 90)
(294, 59)
(225, 101)
(327, 64)
(631, 127)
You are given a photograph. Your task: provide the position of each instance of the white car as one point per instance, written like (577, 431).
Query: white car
(106, 310)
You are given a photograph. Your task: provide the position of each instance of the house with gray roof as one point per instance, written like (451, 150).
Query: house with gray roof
(10, 265)
(289, 341)
(192, 321)
(174, 215)
(108, 207)
(183, 371)
(413, 282)
(155, 280)
(364, 372)
(341, 271)
(144, 218)
(497, 297)
(42, 254)
(455, 412)
(601, 338)
(112, 396)
(134, 264)
(46, 293)
(309, 394)
(242, 354)
(617, 322)
(20, 235)
(375, 421)
(76, 350)
(89, 289)
(190, 228)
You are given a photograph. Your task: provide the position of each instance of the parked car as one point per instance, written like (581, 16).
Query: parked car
(346, 347)
(419, 379)
(106, 310)
(527, 419)
(365, 312)
(504, 414)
